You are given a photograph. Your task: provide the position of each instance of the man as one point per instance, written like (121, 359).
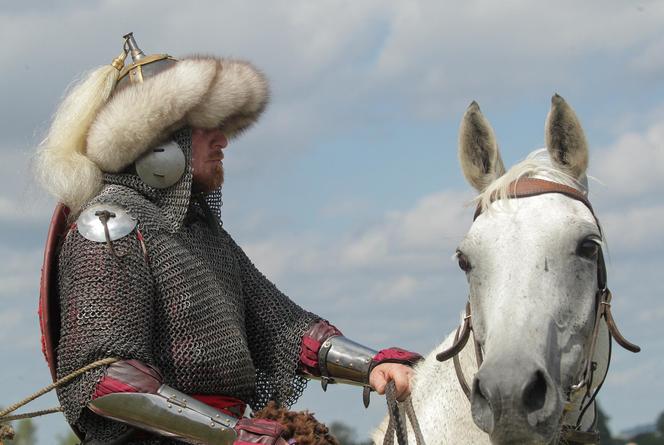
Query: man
(147, 274)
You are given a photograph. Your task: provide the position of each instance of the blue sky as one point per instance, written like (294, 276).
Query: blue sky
(348, 194)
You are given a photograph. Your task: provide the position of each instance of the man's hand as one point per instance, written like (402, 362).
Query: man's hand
(383, 373)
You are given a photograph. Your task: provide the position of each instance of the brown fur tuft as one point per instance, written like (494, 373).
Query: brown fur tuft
(300, 425)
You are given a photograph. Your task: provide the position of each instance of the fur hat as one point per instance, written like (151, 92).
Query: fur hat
(199, 92)
(102, 129)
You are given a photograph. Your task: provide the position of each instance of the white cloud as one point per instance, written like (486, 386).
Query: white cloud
(635, 229)
(645, 370)
(19, 273)
(652, 315)
(633, 165)
(439, 51)
(650, 61)
(330, 57)
(434, 225)
(276, 257)
(419, 238)
(21, 200)
(333, 65)
(9, 320)
(395, 290)
(15, 209)
(628, 200)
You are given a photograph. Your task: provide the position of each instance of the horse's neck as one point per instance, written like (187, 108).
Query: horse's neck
(442, 408)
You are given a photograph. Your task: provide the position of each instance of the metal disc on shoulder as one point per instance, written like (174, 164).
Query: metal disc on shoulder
(119, 223)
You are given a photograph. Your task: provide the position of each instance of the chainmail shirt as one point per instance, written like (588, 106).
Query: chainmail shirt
(193, 305)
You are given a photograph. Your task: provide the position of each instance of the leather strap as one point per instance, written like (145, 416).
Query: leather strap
(527, 187)
(576, 437)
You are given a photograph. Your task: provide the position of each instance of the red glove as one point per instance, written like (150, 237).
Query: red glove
(259, 431)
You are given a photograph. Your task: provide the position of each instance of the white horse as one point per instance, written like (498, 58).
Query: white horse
(532, 269)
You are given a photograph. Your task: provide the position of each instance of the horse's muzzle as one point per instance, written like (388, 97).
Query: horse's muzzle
(515, 402)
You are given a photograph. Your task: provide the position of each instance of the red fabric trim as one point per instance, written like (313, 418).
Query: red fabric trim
(397, 355)
(229, 405)
(109, 385)
(264, 427)
(40, 313)
(309, 354)
(311, 343)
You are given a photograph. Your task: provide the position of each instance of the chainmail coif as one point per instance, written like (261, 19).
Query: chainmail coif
(195, 306)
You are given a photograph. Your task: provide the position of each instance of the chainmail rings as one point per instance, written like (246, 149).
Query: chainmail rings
(196, 307)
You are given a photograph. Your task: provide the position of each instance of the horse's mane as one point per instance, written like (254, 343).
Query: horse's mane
(537, 164)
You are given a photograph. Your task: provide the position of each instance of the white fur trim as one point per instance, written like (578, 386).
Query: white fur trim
(201, 92)
(238, 95)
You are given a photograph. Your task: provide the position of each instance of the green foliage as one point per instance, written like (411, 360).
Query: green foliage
(26, 433)
(660, 424)
(346, 435)
(648, 439)
(605, 437)
(68, 439)
(654, 438)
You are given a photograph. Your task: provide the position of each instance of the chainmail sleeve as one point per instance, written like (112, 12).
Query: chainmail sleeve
(275, 326)
(106, 304)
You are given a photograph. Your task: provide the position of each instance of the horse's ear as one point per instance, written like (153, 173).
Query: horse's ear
(565, 138)
(478, 151)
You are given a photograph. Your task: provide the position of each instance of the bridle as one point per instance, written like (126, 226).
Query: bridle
(572, 434)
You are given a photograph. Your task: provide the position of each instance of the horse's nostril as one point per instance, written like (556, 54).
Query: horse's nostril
(534, 394)
(482, 411)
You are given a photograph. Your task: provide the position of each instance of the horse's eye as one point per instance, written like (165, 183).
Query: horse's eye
(464, 263)
(588, 248)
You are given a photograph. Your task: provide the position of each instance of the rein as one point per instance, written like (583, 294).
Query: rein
(523, 188)
(397, 423)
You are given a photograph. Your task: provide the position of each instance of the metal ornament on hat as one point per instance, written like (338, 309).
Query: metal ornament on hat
(142, 66)
(163, 165)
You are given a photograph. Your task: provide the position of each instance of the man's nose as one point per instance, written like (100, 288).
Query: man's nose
(220, 140)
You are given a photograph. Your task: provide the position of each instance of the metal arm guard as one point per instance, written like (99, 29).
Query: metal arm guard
(169, 413)
(343, 360)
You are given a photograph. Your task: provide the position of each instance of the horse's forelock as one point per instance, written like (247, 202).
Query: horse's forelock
(537, 164)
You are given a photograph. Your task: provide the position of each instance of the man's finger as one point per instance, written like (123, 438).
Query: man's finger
(379, 383)
(403, 389)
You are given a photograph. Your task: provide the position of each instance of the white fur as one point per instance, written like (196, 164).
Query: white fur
(565, 138)
(60, 163)
(89, 136)
(531, 297)
(536, 165)
(238, 94)
(442, 409)
(478, 149)
(137, 116)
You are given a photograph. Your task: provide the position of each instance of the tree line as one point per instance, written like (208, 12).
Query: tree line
(26, 434)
